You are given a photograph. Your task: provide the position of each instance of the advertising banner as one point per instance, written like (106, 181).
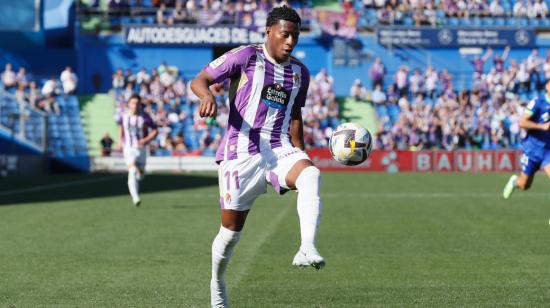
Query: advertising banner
(425, 161)
(456, 37)
(190, 35)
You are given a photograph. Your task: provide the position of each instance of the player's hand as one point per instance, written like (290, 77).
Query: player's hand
(142, 143)
(545, 126)
(208, 107)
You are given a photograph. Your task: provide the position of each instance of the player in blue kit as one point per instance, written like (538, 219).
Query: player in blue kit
(536, 145)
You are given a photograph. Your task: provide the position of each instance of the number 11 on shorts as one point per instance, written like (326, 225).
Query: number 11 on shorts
(228, 179)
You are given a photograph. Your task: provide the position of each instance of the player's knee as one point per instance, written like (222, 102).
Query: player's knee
(308, 176)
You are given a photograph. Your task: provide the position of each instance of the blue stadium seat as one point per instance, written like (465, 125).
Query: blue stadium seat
(465, 22)
(499, 21)
(512, 22)
(408, 21)
(534, 22)
(523, 22)
(487, 22)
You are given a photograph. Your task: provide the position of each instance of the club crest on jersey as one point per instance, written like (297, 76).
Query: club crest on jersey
(275, 96)
(219, 61)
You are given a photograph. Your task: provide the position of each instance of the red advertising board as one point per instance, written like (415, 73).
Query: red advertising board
(425, 161)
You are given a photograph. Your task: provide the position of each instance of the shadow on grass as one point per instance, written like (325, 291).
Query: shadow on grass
(51, 189)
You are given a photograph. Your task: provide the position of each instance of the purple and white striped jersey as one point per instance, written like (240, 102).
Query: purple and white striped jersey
(262, 95)
(134, 128)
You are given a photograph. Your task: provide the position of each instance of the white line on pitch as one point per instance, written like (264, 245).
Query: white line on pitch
(57, 185)
(388, 195)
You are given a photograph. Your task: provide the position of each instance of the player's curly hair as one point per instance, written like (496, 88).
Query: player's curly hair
(282, 13)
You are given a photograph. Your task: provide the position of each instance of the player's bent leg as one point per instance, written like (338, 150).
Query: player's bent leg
(510, 187)
(547, 170)
(133, 185)
(307, 182)
(222, 249)
(524, 181)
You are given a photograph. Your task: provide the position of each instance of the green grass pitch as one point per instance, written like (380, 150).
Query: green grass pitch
(433, 240)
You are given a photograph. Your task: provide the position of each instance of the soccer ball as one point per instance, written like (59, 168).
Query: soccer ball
(350, 144)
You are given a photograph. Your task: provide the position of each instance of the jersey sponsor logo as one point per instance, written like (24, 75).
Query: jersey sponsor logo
(219, 61)
(275, 96)
(531, 105)
(546, 117)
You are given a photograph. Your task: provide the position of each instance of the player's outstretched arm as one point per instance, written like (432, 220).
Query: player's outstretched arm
(526, 123)
(153, 132)
(200, 86)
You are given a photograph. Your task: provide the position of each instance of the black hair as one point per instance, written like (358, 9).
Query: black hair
(135, 95)
(282, 13)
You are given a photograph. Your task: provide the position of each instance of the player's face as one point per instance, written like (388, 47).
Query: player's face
(133, 105)
(282, 37)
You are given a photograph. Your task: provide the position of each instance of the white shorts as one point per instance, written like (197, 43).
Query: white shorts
(242, 180)
(135, 156)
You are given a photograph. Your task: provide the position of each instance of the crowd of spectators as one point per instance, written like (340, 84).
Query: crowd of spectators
(173, 106)
(245, 13)
(431, 12)
(422, 110)
(38, 94)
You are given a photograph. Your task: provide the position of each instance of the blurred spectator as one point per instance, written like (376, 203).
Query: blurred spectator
(358, 91)
(106, 145)
(519, 9)
(49, 89)
(22, 77)
(377, 73)
(118, 80)
(8, 77)
(68, 80)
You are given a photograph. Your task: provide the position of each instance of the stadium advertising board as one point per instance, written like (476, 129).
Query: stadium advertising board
(190, 35)
(379, 161)
(425, 161)
(456, 38)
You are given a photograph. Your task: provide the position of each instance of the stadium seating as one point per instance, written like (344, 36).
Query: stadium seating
(65, 136)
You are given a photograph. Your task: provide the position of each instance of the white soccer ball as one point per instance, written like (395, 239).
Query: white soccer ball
(350, 144)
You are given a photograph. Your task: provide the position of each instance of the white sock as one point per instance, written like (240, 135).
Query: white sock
(133, 184)
(222, 248)
(309, 205)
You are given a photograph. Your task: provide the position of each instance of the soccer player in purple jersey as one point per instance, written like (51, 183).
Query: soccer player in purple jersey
(136, 129)
(264, 141)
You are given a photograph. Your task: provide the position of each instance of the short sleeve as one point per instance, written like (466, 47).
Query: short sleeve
(149, 121)
(531, 108)
(118, 118)
(304, 86)
(230, 63)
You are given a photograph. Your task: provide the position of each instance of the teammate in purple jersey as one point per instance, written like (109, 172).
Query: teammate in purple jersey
(136, 130)
(264, 141)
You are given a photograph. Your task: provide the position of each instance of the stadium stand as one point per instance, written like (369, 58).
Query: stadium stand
(49, 119)
(111, 15)
(422, 110)
(183, 132)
